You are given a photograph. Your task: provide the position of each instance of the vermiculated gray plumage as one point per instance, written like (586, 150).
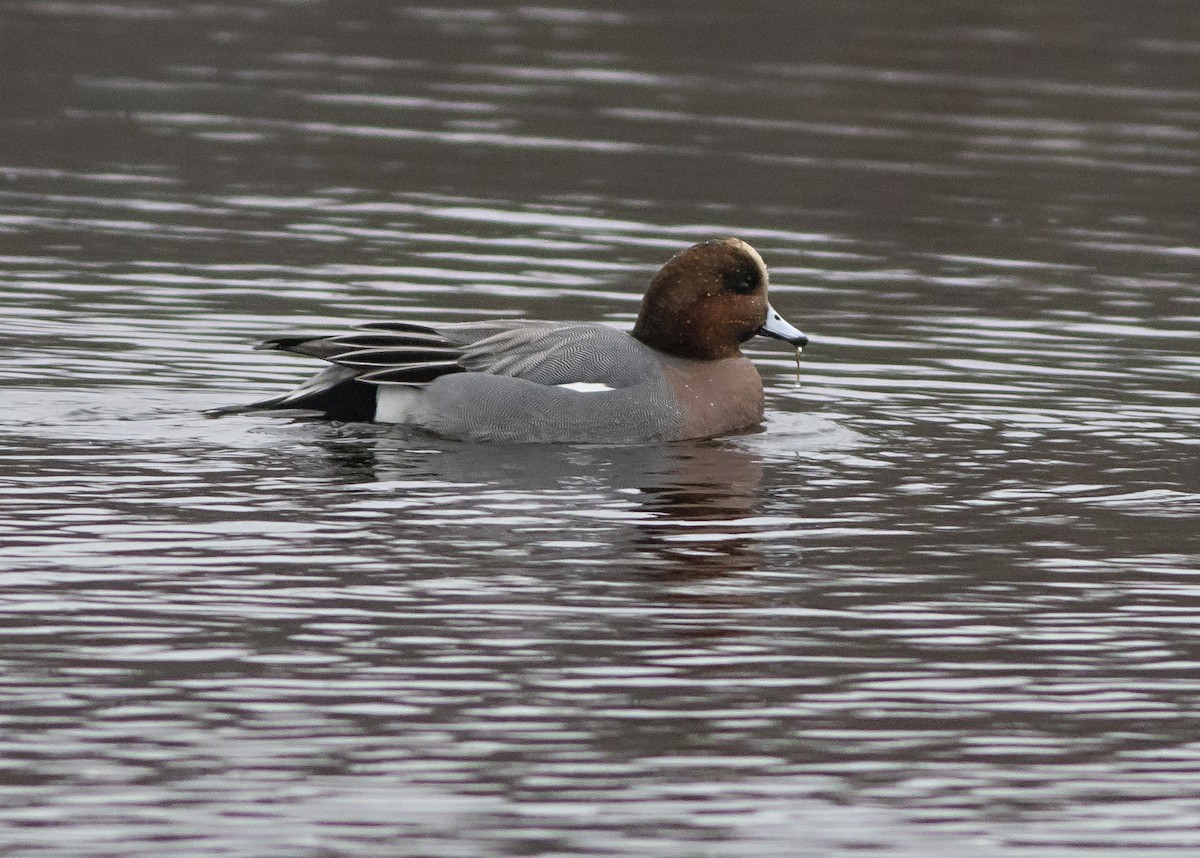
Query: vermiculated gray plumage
(493, 380)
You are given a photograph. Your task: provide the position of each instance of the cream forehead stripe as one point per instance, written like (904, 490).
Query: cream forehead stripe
(753, 255)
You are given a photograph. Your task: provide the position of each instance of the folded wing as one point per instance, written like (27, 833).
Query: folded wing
(411, 353)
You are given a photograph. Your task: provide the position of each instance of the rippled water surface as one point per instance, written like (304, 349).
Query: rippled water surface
(946, 602)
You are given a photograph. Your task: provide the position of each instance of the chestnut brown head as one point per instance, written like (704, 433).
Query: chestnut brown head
(708, 300)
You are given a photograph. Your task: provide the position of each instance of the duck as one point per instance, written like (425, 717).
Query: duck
(680, 373)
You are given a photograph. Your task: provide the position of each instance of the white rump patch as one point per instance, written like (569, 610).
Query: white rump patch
(396, 403)
(586, 387)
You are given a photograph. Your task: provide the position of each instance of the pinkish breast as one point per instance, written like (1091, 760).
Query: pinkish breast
(716, 396)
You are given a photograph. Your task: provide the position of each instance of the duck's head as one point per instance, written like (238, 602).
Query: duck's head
(708, 300)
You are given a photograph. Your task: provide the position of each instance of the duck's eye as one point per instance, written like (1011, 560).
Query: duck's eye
(743, 279)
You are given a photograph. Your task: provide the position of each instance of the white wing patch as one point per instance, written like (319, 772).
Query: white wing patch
(586, 387)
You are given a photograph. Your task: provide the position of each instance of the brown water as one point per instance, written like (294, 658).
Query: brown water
(946, 603)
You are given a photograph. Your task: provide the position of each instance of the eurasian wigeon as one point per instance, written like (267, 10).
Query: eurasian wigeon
(679, 374)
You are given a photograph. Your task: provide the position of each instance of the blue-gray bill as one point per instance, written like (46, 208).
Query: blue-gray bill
(778, 327)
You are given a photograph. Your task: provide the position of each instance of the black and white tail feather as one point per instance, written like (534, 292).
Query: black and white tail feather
(412, 354)
(373, 354)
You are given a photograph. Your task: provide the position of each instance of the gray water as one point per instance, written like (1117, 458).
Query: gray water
(946, 602)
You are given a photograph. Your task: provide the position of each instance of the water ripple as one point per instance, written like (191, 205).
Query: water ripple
(944, 601)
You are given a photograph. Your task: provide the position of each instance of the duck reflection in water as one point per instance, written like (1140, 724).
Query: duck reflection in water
(667, 511)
